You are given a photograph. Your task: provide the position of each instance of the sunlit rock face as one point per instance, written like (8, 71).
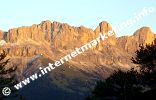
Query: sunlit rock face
(54, 40)
(142, 36)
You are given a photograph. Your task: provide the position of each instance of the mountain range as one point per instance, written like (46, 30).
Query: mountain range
(74, 79)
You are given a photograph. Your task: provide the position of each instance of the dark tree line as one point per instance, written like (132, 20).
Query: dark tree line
(132, 84)
(7, 77)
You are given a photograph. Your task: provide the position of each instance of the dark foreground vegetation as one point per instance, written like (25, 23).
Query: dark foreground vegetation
(135, 84)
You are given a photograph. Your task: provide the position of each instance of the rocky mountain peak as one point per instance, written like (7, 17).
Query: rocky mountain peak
(105, 27)
(46, 25)
(61, 36)
(144, 35)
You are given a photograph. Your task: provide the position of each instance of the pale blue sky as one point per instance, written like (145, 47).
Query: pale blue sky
(89, 13)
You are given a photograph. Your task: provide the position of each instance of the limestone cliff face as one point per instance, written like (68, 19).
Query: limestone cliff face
(54, 40)
(23, 50)
(104, 27)
(142, 36)
(59, 35)
(25, 33)
(65, 36)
